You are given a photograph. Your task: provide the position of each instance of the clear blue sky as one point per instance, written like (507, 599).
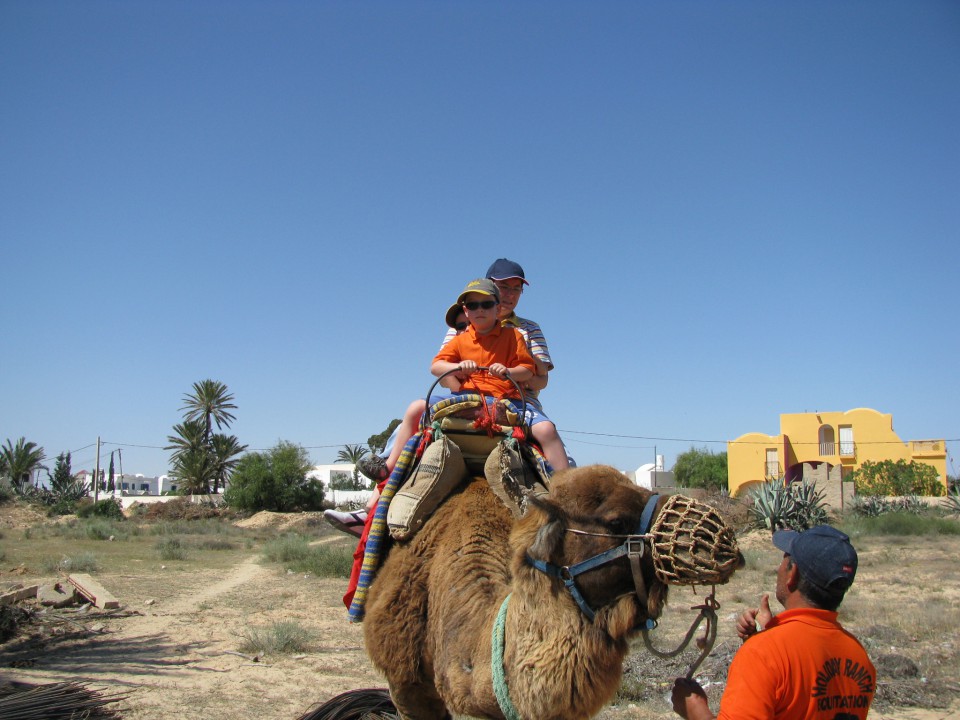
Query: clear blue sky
(726, 210)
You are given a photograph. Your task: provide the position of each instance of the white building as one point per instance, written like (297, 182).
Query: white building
(652, 475)
(132, 484)
(339, 498)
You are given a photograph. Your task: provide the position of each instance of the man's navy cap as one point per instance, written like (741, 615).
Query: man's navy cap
(823, 554)
(504, 269)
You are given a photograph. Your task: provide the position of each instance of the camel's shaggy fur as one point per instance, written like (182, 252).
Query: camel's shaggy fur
(432, 606)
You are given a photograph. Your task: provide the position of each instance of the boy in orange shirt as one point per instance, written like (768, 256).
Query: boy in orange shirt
(503, 350)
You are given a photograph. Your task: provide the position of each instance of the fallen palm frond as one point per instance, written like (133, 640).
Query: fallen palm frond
(367, 704)
(22, 701)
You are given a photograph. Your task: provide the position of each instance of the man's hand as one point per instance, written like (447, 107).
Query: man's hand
(689, 700)
(749, 619)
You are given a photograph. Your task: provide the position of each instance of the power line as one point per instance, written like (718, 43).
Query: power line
(738, 442)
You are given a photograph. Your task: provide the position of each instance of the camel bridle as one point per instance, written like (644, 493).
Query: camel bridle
(689, 545)
(632, 548)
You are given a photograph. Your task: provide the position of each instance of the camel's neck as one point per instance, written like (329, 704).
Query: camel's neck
(559, 665)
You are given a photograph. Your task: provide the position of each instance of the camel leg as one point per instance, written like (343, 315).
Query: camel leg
(419, 702)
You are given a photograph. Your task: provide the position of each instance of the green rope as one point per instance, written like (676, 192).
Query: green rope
(500, 688)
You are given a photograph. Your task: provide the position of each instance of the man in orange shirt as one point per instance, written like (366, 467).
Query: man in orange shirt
(803, 664)
(503, 350)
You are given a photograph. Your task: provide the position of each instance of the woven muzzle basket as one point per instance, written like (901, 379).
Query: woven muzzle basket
(692, 545)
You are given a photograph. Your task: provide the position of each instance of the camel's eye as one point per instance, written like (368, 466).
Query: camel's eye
(618, 525)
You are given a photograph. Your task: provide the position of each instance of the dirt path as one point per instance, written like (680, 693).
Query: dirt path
(179, 654)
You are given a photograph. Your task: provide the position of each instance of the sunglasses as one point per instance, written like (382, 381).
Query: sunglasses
(485, 304)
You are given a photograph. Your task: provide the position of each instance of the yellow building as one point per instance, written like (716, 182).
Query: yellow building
(825, 448)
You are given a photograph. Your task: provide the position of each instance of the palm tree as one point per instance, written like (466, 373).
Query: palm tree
(210, 403)
(194, 471)
(353, 454)
(225, 449)
(189, 438)
(19, 462)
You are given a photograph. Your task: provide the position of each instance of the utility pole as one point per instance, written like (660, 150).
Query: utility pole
(96, 474)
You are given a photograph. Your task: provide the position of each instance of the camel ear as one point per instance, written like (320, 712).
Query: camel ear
(549, 538)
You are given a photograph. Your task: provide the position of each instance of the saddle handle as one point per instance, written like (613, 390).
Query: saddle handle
(481, 368)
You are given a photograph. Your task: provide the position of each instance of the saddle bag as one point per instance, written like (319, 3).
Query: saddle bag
(440, 471)
(512, 478)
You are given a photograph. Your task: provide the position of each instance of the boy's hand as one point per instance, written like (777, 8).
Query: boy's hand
(468, 367)
(498, 370)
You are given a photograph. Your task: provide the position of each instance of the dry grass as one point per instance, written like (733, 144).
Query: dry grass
(902, 606)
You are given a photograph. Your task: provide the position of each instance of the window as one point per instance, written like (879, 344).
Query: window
(827, 445)
(773, 465)
(847, 446)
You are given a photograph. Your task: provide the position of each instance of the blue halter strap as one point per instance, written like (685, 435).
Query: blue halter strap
(632, 546)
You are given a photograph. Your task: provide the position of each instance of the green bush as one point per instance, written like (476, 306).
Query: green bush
(170, 548)
(100, 529)
(701, 469)
(896, 478)
(778, 506)
(106, 508)
(275, 480)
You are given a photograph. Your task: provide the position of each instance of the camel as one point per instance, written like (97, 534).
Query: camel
(431, 610)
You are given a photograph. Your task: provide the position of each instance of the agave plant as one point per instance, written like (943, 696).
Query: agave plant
(870, 505)
(951, 503)
(772, 505)
(778, 506)
(809, 508)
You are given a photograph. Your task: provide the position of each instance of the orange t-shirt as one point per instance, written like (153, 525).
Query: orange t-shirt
(503, 345)
(803, 666)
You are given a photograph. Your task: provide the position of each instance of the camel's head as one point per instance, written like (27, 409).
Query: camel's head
(585, 533)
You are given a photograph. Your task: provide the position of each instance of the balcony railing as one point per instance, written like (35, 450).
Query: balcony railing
(772, 470)
(927, 447)
(848, 448)
(828, 448)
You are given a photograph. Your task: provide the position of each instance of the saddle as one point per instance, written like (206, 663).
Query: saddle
(468, 437)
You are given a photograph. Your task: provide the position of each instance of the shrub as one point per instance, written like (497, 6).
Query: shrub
(797, 506)
(81, 562)
(106, 508)
(275, 480)
(896, 478)
(701, 469)
(171, 548)
(100, 529)
(900, 523)
(951, 503)
(180, 508)
(870, 505)
(284, 636)
(296, 553)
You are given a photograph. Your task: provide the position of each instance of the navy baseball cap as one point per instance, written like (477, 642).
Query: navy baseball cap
(823, 554)
(504, 269)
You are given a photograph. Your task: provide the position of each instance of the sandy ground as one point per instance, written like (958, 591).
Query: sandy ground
(172, 648)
